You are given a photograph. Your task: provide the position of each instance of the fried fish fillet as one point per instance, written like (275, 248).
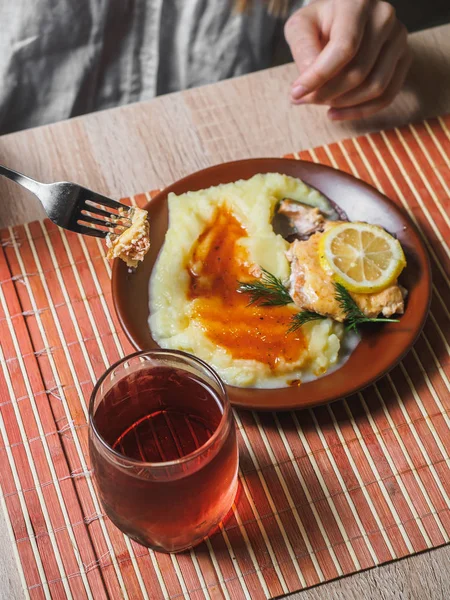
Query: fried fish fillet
(312, 287)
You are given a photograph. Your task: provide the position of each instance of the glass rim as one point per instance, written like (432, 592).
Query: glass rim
(167, 463)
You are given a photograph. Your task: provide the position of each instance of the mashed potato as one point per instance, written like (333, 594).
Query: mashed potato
(216, 238)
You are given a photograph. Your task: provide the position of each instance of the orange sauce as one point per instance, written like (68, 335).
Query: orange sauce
(217, 264)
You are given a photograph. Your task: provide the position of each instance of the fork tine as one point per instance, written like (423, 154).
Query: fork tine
(92, 231)
(100, 222)
(92, 208)
(104, 200)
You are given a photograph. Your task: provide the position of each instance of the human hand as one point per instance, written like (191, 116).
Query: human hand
(352, 55)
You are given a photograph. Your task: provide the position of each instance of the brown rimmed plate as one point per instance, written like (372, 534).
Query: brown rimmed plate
(380, 349)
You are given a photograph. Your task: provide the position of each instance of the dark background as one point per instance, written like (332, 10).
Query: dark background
(421, 14)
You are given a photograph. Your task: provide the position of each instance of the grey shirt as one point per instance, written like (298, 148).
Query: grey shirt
(61, 58)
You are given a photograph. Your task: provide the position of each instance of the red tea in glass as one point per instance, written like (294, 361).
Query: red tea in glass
(163, 448)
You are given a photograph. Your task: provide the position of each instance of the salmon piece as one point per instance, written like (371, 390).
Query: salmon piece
(388, 302)
(304, 219)
(312, 288)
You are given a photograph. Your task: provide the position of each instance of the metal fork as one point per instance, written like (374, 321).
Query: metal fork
(76, 208)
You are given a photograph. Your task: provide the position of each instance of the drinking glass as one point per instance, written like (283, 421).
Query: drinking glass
(163, 448)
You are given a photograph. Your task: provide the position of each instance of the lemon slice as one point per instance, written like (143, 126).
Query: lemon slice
(362, 257)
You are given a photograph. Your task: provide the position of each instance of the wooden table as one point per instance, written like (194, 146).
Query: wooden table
(127, 150)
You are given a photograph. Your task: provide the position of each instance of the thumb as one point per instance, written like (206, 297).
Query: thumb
(302, 33)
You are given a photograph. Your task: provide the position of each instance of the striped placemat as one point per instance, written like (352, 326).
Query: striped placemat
(324, 492)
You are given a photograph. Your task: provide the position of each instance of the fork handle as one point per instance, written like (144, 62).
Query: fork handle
(23, 180)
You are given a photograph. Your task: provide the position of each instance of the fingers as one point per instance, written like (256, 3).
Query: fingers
(351, 54)
(346, 31)
(371, 107)
(380, 77)
(303, 36)
(378, 30)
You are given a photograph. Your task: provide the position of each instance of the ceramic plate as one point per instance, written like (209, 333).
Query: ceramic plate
(380, 349)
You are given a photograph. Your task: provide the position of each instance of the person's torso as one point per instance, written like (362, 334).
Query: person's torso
(63, 58)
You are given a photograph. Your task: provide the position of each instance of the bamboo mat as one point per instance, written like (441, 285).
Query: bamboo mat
(324, 492)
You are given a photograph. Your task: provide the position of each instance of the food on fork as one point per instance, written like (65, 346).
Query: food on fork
(132, 245)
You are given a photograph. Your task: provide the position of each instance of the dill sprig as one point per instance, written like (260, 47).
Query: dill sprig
(270, 291)
(305, 316)
(267, 291)
(354, 316)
